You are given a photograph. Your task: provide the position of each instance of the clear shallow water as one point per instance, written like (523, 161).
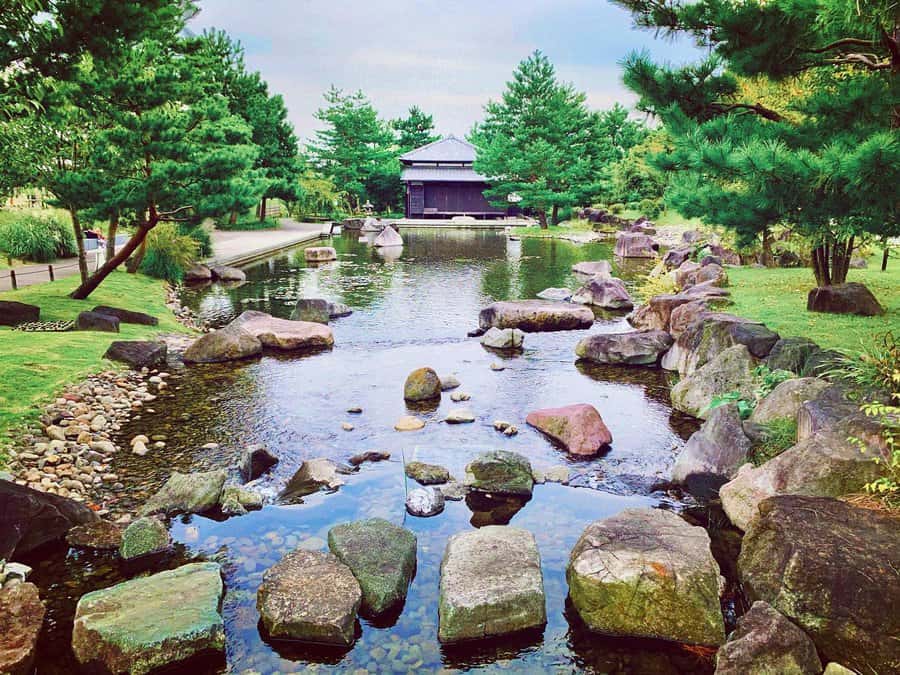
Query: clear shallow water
(410, 311)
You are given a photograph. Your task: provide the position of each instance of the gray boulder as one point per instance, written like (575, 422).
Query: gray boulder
(226, 344)
(310, 596)
(236, 501)
(127, 315)
(826, 464)
(197, 273)
(604, 293)
(713, 454)
(765, 642)
(791, 354)
(144, 536)
(784, 401)
(97, 322)
(284, 334)
(427, 474)
(731, 370)
(824, 411)
(388, 237)
(691, 274)
(137, 353)
(559, 294)
(635, 245)
(151, 623)
(852, 298)
(312, 476)
(315, 310)
(500, 472)
(644, 347)
(187, 493)
(13, 313)
(425, 502)
(831, 568)
(534, 316)
(647, 573)
(491, 584)
(503, 338)
(381, 556)
(255, 461)
(228, 274)
(702, 340)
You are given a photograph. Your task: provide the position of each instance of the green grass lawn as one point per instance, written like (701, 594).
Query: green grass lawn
(777, 297)
(34, 367)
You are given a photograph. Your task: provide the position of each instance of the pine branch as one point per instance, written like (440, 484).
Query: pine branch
(859, 60)
(845, 42)
(760, 110)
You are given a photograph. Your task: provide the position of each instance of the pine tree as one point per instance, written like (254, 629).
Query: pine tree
(824, 157)
(414, 130)
(538, 141)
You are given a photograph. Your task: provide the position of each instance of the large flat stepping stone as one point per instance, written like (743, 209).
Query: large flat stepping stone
(284, 334)
(187, 493)
(13, 313)
(137, 353)
(382, 557)
(127, 316)
(491, 584)
(647, 573)
(152, 622)
(832, 569)
(500, 472)
(21, 618)
(310, 596)
(635, 348)
(533, 316)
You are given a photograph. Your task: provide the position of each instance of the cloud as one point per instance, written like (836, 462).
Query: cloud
(447, 58)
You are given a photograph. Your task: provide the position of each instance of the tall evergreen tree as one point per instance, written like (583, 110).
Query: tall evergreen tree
(356, 150)
(414, 130)
(824, 160)
(538, 141)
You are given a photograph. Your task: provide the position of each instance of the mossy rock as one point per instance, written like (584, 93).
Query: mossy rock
(422, 384)
(143, 537)
(427, 474)
(500, 472)
(382, 557)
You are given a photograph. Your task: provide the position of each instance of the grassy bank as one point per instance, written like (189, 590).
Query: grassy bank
(34, 367)
(777, 297)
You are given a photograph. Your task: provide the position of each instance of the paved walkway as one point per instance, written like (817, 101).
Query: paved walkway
(233, 247)
(28, 275)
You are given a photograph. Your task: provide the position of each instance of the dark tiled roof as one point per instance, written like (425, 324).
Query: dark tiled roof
(449, 149)
(463, 174)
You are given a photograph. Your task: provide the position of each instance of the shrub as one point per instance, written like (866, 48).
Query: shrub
(766, 381)
(169, 253)
(201, 235)
(247, 224)
(778, 436)
(37, 238)
(617, 208)
(877, 366)
(886, 488)
(651, 208)
(658, 282)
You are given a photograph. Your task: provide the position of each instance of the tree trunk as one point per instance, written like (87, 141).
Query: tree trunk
(831, 262)
(262, 210)
(111, 231)
(232, 219)
(542, 218)
(87, 287)
(767, 258)
(79, 243)
(134, 263)
(886, 252)
(554, 218)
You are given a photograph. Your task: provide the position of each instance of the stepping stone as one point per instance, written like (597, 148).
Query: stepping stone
(187, 493)
(382, 557)
(310, 596)
(144, 536)
(578, 428)
(127, 316)
(97, 322)
(491, 584)
(500, 472)
(533, 316)
(152, 622)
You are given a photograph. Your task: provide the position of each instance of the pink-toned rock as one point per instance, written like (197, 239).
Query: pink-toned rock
(21, 617)
(284, 333)
(579, 428)
(635, 245)
(684, 316)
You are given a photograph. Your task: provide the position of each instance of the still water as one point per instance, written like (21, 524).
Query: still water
(411, 308)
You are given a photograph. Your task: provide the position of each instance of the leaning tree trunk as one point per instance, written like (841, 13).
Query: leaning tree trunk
(87, 287)
(831, 262)
(111, 231)
(79, 243)
(134, 263)
(232, 219)
(542, 218)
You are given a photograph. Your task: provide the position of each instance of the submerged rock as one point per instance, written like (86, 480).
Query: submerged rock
(368, 456)
(409, 423)
(534, 316)
(144, 536)
(558, 294)
(228, 274)
(500, 472)
(427, 474)
(578, 428)
(21, 618)
(422, 384)
(643, 347)
(460, 416)
(713, 454)
(312, 476)
(381, 556)
(101, 534)
(151, 623)
(314, 310)
(831, 568)
(315, 254)
(505, 338)
(187, 493)
(236, 501)
(600, 269)
(425, 502)
(491, 584)
(647, 573)
(766, 642)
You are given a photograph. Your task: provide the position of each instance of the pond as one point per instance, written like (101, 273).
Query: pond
(411, 308)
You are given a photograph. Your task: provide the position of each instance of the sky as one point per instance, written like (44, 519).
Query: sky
(449, 57)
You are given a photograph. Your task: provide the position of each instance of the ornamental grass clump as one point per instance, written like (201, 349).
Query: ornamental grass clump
(169, 253)
(37, 239)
